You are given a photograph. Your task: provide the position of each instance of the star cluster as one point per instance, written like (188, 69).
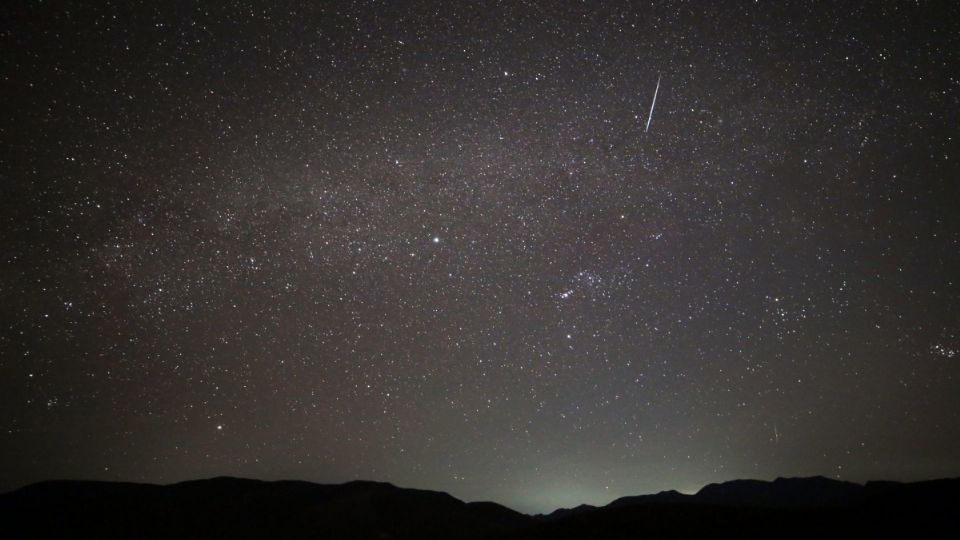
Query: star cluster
(432, 243)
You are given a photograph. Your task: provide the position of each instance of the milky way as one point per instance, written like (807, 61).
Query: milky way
(431, 243)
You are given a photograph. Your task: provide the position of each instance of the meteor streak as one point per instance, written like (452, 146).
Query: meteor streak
(652, 105)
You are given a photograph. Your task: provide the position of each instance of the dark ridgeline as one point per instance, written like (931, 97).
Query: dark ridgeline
(239, 508)
(242, 508)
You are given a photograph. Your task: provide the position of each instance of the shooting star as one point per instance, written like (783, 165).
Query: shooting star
(652, 105)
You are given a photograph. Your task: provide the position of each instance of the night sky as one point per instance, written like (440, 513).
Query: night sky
(435, 244)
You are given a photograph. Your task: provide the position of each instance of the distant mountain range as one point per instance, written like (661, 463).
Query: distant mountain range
(241, 508)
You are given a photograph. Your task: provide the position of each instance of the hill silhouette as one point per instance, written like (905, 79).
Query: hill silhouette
(242, 508)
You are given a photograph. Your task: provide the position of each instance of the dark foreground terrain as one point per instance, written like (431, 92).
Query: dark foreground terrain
(238, 508)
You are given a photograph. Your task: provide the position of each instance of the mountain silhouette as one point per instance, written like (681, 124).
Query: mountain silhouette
(242, 508)
(782, 493)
